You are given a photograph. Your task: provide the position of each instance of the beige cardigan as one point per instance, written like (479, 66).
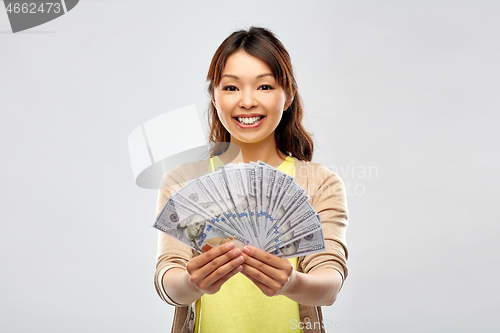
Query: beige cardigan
(327, 195)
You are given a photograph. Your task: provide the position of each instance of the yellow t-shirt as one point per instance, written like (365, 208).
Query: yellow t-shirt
(240, 306)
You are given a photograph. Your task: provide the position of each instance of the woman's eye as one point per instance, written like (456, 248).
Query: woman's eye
(229, 88)
(265, 87)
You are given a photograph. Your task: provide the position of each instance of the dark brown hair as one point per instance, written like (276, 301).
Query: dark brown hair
(290, 135)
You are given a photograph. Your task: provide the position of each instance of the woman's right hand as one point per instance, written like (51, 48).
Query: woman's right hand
(210, 270)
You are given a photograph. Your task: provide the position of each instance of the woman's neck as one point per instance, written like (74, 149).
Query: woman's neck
(265, 151)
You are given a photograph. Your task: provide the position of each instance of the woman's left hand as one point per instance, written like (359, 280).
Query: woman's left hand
(268, 272)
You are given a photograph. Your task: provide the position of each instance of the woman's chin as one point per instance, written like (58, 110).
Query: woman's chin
(239, 138)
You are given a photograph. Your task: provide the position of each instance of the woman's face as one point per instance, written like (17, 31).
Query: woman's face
(248, 100)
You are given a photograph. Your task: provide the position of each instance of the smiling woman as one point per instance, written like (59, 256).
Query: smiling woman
(251, 72)
(255, 105)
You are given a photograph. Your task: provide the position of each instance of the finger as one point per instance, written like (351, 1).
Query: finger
(263, 267)
(266, 257)
(280, 275)
(262, 277)
(220, 273)
(218, 284)
(216, 266)
(265, 289)
(204, 258)
(221, 260)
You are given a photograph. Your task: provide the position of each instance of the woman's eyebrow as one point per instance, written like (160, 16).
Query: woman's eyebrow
(237, 78)
(231, 76)
(265, 74)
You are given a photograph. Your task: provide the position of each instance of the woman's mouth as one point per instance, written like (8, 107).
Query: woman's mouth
(248, 122)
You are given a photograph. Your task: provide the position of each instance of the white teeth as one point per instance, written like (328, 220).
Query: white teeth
(249, 121)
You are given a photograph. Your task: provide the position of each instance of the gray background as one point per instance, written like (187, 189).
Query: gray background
(402, 97)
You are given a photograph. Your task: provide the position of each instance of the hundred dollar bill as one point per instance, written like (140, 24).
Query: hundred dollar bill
(259, 178)
(269, 191)
(208, 182)
(269, 175)
(283, 191)
(243, 202)
(219, 222)
(296, 228)
(292, 195)
(296, 199)
(220, 184)
(248, 178)
(277, 186)
(250, 184)
(312, 243)
(191, 229)
(200, 194)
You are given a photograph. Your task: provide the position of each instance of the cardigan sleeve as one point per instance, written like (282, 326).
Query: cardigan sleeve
(171, 252)
(328, 197)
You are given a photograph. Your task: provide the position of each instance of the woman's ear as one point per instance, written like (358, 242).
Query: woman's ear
(213, 103)
(289, 102)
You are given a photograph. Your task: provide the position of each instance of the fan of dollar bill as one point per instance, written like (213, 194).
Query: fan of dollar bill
(249, 204)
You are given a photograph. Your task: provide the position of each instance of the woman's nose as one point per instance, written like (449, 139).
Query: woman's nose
(247, 99)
